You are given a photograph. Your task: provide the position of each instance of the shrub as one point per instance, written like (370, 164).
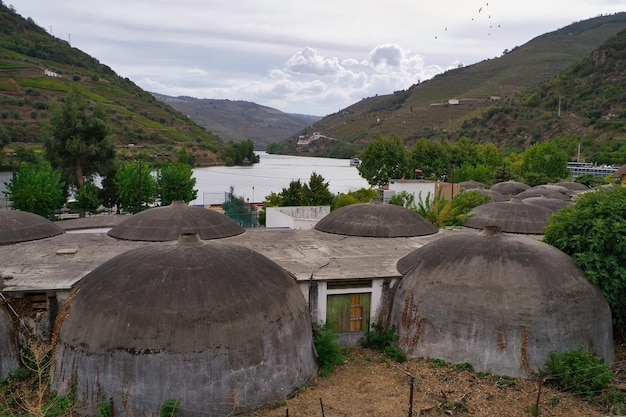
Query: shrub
(169, 408)
(328, 352)
(578, 371)
(383, 341)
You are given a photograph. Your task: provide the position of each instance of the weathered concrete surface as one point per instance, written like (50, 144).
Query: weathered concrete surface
(500, 302)
(161, 224)
(375, 220)
(21, 226)
(204, 322)
(513, 216)
(9, 358)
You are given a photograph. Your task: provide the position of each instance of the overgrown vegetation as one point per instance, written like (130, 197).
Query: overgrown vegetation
(383, 341)
(592, 232)
(329, 353)
(579, 371)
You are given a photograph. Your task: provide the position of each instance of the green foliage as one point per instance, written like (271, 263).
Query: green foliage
(590, 180)
(81, 144)
(104, 409)
(382, 159)
(464, 366)
(592, 232)
(328, 352)
(313, 193)
(175, 181)
(449, 213)
(404, 199)
(241, 153)
(362, 195)
(169, 408)
(36, 189)
(88, 197)
(383, 341)
(135, 185)
(545, 158)
(579, 371)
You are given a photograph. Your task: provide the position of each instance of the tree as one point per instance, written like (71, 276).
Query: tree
(36, 189)
(88, 197)
(592, 232)
(316, 193)
(545, 158)
(81, 145)
(382, 159)
(136, 187)
(432, 158)
(176, 182)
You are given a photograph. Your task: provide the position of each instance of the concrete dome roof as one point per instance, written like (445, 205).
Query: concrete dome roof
(375, 220)
(471, 185)
(573, 186)
(202, 320)
(553, 204)
(495, 195)
(167, 223)
(22, 226)
(500, 302)
(509, 187)
(513, 216)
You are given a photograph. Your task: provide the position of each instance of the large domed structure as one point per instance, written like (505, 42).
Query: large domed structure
(22, 226)
(512, 216)
(167, 223)
(216, 325)
(375, 220)
(499, 302)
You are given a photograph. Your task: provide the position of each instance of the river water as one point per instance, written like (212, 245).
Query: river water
(271, 174)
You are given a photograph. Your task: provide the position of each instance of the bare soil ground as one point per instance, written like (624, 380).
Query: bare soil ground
(371, 385)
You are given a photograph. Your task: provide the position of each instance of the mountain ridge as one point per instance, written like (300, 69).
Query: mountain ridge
(238, 120)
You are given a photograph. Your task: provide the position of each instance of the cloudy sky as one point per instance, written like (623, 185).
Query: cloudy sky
(301, 56)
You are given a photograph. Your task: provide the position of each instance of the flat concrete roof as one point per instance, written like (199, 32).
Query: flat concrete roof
(57, 263)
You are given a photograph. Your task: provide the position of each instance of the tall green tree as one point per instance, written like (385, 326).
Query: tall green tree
(316, 192)
(36, 189)
(80, 145)
(545, 158)
(176, 182)
(135, 185)
(592, 232)
(382, 159)
(431, 157)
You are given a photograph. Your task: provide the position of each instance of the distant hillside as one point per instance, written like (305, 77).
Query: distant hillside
(240, 120)
(37, 70)
(584, 106)
(440, 108)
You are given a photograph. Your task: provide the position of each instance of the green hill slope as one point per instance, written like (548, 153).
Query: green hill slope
(424, 110)
(37, 70)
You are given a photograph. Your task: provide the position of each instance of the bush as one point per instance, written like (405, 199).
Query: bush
(383, 341)
(169, 408)
(578, 371)
(328, 352)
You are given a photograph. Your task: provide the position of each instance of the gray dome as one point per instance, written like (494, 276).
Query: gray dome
(192, 320)
(9, 358)
(471, 185)
(553, 204)
(375, 220)
(495, 196)
(509, 187)
(21, 226)
(573, 186)
(513, 216)
(500, 302)
(167, 223)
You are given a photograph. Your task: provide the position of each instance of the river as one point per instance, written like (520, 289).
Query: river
(271, 174)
